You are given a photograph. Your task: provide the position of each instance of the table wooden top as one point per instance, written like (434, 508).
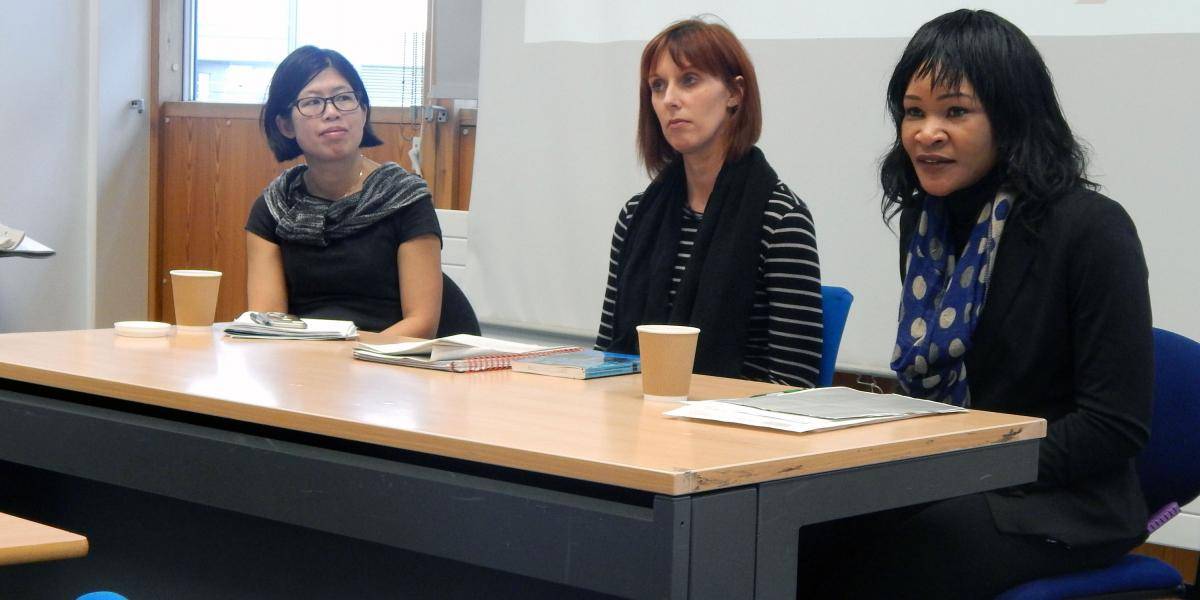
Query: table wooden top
(599, 430)
(24, 541)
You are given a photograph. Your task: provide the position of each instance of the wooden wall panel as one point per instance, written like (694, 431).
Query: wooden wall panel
(1187, 562)
(214, 162)
(213, 168)
(445, 149)
(465, 162)
(397, 142)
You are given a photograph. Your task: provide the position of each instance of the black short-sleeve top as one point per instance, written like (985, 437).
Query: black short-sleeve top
(355, 278)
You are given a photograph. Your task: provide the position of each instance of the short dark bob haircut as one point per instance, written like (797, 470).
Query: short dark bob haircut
(1036, 153)
(299, 68)
(712, 49)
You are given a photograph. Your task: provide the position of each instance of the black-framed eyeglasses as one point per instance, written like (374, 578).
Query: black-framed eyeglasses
(314, 106)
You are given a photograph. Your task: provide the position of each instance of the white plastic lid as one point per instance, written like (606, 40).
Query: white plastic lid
(142, 328)
(669, 329)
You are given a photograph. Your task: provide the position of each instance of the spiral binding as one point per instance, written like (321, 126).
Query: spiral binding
(500, 361)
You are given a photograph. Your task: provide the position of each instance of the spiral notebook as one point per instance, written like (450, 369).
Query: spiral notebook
(458, 353)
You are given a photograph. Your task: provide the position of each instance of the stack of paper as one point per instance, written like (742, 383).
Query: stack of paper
(459, 353)
(316, 329)
(817, 409)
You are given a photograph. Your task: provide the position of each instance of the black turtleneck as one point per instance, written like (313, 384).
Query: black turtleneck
(963, 206)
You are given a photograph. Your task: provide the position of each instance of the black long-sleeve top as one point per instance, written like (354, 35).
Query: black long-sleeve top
(1066, 335)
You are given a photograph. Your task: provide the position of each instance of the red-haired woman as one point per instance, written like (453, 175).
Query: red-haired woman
(716, 241)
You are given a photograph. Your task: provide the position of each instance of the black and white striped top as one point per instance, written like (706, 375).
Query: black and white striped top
(784, 342)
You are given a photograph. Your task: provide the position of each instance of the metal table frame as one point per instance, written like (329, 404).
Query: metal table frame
(734, 543)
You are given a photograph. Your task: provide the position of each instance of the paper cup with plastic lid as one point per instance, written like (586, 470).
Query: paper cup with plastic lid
(194, 292)
(668, 352)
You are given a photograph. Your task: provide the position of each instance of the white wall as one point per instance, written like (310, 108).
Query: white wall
(73, 162)
(555, 156)
(44, 158)
(455, 26)
(122, 166)
(455, 229)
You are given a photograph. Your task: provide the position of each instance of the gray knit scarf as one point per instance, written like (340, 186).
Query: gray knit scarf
(307, 219)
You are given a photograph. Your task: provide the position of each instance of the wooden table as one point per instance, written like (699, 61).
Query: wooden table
(504, 460)
(24, 541)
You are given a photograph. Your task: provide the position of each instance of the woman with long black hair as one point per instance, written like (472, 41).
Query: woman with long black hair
(1025, 291)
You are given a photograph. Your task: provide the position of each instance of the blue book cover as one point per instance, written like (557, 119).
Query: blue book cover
(587, 364)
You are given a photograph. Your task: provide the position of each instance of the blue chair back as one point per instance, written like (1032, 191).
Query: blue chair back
(1168, 470)
(1168, 467)
(835, 307)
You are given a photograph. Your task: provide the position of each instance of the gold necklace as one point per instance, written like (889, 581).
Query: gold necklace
(357, 185)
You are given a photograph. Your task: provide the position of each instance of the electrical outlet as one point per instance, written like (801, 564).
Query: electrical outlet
(436, 113)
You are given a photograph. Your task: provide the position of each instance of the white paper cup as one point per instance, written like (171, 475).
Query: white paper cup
(668, 352)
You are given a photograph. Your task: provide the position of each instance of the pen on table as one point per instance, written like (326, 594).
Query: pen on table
(779, 393)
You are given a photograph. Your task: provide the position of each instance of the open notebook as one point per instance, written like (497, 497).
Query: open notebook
(459, 353)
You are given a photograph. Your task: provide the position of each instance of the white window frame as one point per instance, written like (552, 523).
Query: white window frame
(176, 49)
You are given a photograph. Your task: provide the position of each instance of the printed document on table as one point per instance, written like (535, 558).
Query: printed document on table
(819, 409)
(842, 403)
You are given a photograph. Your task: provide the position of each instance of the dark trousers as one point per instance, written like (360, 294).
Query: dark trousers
(947, 549)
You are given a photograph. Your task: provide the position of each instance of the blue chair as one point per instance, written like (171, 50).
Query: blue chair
(1170, 477)
(835, 307)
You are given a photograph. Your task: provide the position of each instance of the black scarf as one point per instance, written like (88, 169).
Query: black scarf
(716, 292)
(303, 218)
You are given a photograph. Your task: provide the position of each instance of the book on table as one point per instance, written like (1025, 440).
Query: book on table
(459, 353)
(817, 409)
(251, 325)
(586, 364)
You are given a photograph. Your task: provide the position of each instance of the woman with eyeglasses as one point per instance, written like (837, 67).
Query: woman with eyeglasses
(340, 236)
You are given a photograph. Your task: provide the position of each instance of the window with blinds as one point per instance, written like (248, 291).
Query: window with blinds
(236, 45)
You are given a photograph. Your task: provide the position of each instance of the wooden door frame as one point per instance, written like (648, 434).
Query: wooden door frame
(167, 40)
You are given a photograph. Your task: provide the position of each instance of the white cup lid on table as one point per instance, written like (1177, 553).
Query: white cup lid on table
(142, 328)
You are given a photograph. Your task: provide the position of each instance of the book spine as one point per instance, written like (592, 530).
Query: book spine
(608, 372)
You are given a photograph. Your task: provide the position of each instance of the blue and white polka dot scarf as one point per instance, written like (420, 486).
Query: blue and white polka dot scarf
(943, 299)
